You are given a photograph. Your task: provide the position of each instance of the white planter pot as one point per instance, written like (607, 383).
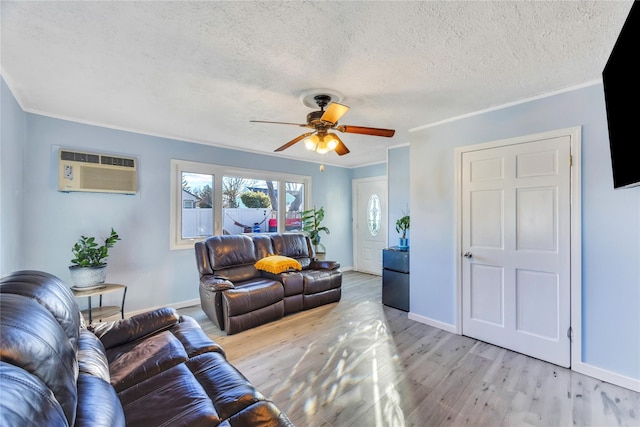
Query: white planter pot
(320, 251)
(86, 277)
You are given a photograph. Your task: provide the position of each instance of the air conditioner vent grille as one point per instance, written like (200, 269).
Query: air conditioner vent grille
(80, 157)
(118, 161)
(107, 179)
(97, 158)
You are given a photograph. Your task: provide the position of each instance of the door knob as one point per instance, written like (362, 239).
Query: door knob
(467, 255)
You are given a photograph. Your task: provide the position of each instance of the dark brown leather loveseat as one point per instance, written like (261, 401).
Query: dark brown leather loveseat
(237, 296)
(153, 369)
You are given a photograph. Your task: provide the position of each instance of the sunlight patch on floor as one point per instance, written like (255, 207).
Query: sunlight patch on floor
(359, 372)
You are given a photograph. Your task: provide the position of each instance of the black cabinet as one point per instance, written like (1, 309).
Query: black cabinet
(395, 278)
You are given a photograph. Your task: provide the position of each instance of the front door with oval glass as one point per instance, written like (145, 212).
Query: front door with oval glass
(370, 223)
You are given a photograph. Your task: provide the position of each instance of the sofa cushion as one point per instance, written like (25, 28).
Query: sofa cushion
(56, 297)
(252, 295)
(230, 251)
(193, 338)
(316, 281)
(292, 282)
(170, 398)
(116, 333)
(229, 256)
(263, 245)
(32, 339)
(292, 245)
(230, 391)
(92, 358)
(134, 362)
(277, 264)
(21, 394)
(251, 319)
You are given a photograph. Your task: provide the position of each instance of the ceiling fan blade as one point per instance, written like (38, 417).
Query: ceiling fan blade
(279, 123)
(340, 149)
(293, 141)
(334, 112)
(367, 131)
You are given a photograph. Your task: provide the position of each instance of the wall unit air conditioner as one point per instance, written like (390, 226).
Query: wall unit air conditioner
(93, 172)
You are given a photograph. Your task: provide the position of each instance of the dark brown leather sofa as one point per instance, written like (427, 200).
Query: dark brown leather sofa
(153, 369)
(237, 296)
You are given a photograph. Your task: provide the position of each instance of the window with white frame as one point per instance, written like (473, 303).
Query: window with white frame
(211, 200)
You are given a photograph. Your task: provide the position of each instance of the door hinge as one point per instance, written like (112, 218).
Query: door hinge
(570, 333)
(570, 160)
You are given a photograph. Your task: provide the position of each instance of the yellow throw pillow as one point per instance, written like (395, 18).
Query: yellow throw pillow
(277, 264)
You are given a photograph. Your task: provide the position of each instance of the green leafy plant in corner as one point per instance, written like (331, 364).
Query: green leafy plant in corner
(87, 253)
(311, 220)
(402, 225)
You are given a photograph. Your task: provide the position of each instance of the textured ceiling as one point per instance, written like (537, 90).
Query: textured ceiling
(200, 71)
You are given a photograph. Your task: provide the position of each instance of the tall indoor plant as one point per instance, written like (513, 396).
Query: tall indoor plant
(88, 266)
(311, 220)
(402, 225)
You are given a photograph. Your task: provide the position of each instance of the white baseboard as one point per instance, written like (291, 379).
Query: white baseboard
(431, 322)
(607, 376)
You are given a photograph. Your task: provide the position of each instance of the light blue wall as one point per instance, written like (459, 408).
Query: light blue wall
(379, 169)
(610, 221)
(13, 138)
(156, 275)
(398, 181)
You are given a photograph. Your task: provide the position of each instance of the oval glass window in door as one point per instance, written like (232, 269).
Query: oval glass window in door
(374, 215)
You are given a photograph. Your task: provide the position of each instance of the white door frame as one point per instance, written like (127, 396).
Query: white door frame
(354, 207)
(575, 134)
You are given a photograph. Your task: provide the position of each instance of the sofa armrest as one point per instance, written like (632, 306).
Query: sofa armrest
(215, 283)
(122, 331)
(98, 403)
(317, 264)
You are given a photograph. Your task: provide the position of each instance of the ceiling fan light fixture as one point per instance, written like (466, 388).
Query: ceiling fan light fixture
(332, 141)
(323, 146)
(311, 142)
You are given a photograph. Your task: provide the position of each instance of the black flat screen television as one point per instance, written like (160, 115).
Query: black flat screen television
(621, 81)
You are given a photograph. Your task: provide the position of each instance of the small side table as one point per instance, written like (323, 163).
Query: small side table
(101, 312)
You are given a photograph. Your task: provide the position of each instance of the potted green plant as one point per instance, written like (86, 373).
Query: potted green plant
(88, 266)
(402, 225)
(311, 220)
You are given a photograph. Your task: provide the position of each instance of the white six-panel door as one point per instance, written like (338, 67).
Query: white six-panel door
(516, 247)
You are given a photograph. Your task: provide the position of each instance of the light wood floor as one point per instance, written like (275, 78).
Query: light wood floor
(360, 363)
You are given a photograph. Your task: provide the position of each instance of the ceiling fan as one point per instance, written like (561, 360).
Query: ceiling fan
(322, 122)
